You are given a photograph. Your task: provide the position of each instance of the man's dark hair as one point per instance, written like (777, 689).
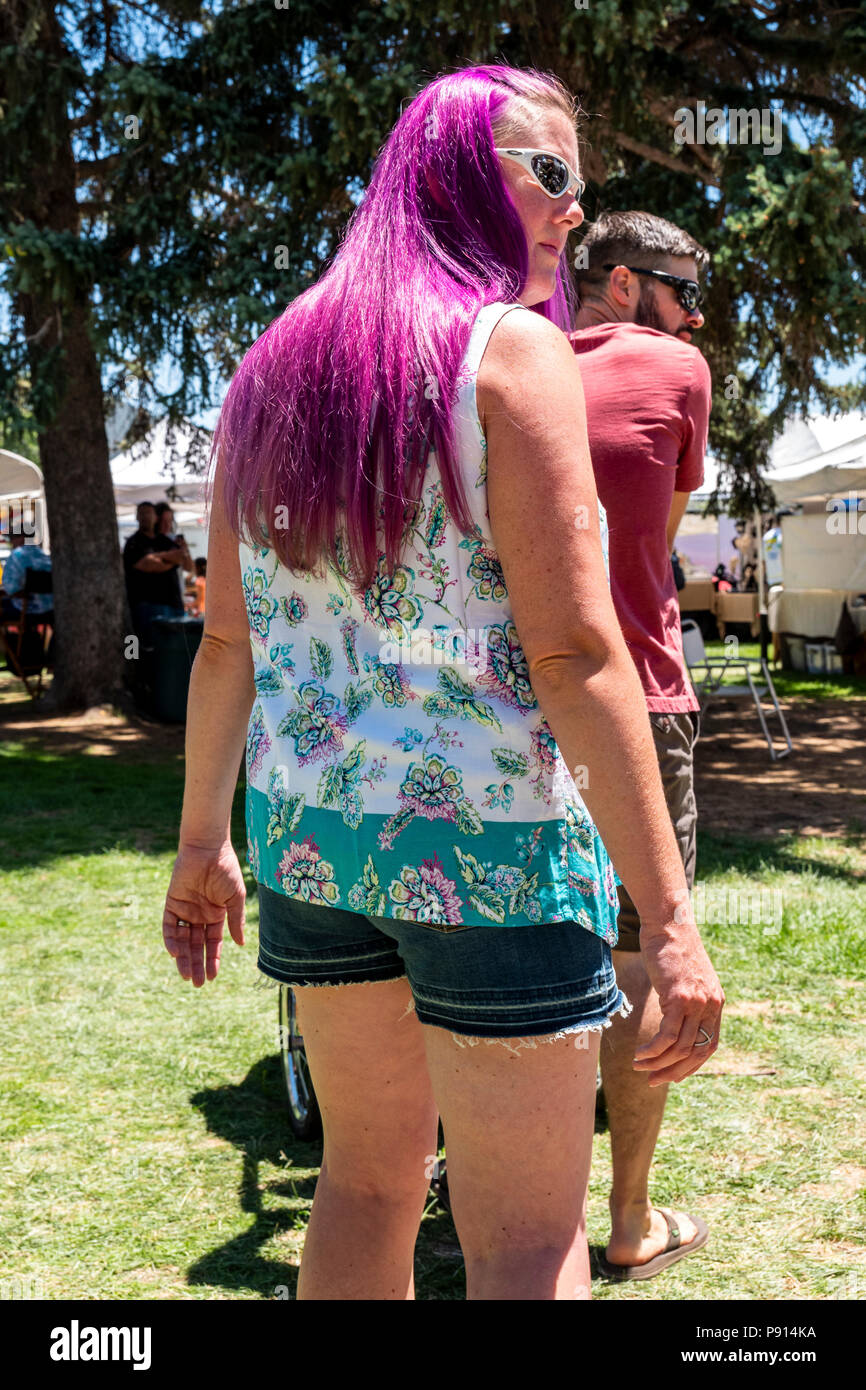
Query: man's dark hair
(144, 504)
(633, 238)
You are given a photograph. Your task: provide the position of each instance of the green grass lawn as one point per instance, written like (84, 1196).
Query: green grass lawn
(789, 684)
(145, 1145)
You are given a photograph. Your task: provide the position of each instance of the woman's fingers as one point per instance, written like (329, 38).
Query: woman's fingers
(214, 945)
(206, 888)
(195, 946)
(687, 1066)
(681, 1046)
(235, 911)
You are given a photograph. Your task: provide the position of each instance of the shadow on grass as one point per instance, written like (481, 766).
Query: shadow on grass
(252, 1117)
(722, 851)
(78, 803)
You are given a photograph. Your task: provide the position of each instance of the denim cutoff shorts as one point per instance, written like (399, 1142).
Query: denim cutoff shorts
(480, 981)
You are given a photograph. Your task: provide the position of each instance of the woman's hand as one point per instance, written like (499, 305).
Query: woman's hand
(206, 886)
(691, 999)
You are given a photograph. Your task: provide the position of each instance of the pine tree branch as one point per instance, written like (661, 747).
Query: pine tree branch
(667, 161)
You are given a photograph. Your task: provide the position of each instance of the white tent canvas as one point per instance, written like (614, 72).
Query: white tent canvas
(144, 474)
(18, 476)
(21, 496)
(823, 455)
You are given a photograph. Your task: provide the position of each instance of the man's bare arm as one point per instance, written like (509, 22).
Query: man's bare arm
(675, 516)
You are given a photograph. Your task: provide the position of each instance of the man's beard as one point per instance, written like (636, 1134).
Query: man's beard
(647, 315)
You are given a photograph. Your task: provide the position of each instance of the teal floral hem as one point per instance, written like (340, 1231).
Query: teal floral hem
(515, 874)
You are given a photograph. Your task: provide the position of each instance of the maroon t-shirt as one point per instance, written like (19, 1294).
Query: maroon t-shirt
(648, 407)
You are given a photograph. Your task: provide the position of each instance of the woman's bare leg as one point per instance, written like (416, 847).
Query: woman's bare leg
(518, 1137)
(365, 1049)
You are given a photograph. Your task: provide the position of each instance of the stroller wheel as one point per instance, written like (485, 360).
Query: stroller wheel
(304, 1117)
(439, 1184)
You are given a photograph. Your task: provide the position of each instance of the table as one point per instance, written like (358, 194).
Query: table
(738, 608)
(810, 613)
(697, 595)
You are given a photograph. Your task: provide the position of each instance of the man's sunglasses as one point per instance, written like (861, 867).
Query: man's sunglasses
(688, 292)
(549, 171)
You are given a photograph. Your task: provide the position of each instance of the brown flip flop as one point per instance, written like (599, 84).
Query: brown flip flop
(672, 1252)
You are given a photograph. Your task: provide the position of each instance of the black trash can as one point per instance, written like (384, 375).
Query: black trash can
(175, 643)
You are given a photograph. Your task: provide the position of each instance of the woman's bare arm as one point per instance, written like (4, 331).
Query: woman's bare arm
(221, 694)
(543, 510)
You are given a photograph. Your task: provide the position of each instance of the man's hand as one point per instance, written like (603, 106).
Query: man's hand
(691, 999)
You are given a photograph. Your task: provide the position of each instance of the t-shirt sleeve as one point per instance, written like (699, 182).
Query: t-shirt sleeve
(135, 548)
(696, 423)
(13, 577)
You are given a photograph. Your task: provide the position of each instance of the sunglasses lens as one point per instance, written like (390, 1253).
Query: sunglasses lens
(690, 298)
(551, 173)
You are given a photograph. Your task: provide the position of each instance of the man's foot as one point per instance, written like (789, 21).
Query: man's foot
(665, 1237)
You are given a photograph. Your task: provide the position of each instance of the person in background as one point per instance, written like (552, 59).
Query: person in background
(772, 543)
(639, 310)
(25, 555)
(750, 580)
(200, 585)
(746, 552)
(165, 526)
(150, 564)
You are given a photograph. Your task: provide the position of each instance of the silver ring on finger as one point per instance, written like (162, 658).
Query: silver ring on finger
(182, 922)
(708, 1038)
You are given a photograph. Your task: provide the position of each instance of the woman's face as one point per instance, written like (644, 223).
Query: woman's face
(547, 221)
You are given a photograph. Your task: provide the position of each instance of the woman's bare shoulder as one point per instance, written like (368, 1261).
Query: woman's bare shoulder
(522, 344)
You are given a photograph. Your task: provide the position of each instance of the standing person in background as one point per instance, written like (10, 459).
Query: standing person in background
(772, 543)
(200, 585)
(639, 310)
(150, 564)
(417, 909)
(165, 527)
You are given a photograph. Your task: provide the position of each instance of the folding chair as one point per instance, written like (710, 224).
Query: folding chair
(25, 647)
(709, 685)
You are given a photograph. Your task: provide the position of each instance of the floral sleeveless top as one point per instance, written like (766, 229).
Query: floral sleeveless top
(398, 763)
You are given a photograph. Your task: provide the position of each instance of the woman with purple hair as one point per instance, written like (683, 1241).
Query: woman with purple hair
(410, 635)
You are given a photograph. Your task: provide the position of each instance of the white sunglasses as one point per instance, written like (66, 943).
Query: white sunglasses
(550, 171)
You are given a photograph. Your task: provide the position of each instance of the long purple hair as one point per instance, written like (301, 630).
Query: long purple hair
(333, 411)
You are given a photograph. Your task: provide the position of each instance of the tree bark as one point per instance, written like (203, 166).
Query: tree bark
(89, 591)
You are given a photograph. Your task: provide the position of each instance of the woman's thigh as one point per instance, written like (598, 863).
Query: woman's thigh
(367, 1059)
(518, 1134)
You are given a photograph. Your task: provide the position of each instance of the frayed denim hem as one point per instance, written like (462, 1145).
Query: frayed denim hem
(580, 1031)
(272, 980)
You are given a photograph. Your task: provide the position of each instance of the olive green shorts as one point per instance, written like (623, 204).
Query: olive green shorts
(675, 738)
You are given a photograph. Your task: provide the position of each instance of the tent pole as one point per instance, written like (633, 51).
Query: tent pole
(762, 587)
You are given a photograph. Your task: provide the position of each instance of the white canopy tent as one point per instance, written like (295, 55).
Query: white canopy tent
(144, 474)
(812, 462)
(817, 466)
(21, 495)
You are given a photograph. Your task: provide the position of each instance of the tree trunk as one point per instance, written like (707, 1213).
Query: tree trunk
(89, 592)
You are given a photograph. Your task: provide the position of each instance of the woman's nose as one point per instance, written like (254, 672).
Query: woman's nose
(574, 213)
